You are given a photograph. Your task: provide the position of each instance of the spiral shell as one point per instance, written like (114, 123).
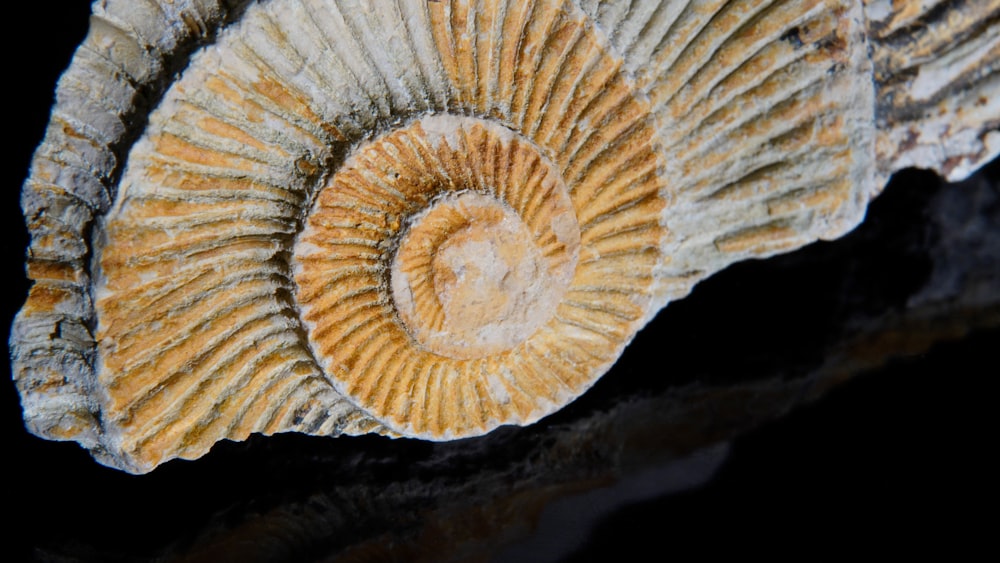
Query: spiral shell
(424, 219)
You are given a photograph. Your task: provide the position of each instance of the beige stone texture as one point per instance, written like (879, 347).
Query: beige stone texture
(430, 219)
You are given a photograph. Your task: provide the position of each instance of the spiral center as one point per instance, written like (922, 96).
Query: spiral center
(468, 279)
(442, 261)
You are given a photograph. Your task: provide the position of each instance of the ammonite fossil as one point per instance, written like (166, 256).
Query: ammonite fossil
(432, 218)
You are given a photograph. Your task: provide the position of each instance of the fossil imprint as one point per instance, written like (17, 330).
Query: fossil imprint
(432, 218)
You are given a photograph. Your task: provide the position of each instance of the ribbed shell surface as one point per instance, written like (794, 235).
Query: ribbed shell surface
(424, 219)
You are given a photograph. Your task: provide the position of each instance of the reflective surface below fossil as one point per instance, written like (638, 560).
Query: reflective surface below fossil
(909, 300)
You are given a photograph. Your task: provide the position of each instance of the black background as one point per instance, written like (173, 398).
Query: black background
(898, 456)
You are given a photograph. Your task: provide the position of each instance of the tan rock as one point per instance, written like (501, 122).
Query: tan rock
(432, 219)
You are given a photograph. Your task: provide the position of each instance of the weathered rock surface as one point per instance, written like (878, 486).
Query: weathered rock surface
(289, 216)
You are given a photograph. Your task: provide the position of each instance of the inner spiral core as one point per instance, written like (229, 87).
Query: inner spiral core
(432, 254)
(468, 279)
(450, 281)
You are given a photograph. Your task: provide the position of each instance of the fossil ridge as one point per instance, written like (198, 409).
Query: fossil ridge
(431, 219)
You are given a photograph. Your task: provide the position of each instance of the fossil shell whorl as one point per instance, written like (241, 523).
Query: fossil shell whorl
(457, 258)
(413, 218)
(486, 295)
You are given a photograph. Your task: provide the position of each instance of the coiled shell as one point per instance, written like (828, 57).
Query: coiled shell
(423, 218)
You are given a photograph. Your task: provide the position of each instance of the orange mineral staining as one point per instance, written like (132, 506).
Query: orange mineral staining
(430, 219)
